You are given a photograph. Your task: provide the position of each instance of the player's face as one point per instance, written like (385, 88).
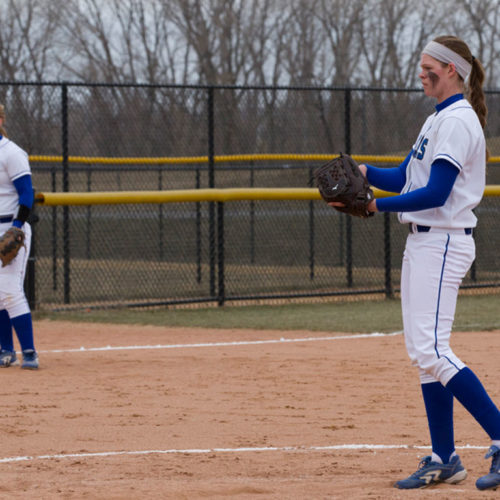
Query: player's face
(433, 76)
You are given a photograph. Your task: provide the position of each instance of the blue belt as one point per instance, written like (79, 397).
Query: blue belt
(6, 218)
(416, 228)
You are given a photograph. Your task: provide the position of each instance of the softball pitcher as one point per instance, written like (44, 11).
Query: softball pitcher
(440, 182)
(16, 202)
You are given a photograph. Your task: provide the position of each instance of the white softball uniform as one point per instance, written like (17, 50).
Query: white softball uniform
(440, 249)
(13, 164)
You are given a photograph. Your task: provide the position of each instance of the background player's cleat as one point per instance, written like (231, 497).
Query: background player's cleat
(492, 480)
(30, 360)
(430, 473)
(8, 358)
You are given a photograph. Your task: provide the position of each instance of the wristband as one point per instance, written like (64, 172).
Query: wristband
(21, 215)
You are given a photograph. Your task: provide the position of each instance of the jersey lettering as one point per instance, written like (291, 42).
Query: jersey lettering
(418, 143)
(420, 152)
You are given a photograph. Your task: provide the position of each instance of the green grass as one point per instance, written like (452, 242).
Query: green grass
(479, 312)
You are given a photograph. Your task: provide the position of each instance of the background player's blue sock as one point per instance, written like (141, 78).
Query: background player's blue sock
(439, 407)
(24, 329)
(6, 340)
(467, 388)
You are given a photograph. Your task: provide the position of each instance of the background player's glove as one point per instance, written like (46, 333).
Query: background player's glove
(10, 243)
(341, 180)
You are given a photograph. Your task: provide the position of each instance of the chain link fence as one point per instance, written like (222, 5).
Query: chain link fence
(172, 253)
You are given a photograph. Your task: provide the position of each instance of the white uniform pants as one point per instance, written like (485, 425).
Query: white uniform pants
(434, 264)
(12, 296)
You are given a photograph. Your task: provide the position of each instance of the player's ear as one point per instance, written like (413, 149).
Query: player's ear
(452, 69)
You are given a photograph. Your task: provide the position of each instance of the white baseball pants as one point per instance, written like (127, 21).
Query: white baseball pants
(12, 296)
(434, 264)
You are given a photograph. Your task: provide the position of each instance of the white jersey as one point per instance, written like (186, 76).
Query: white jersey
(454, 134)
(13, 164)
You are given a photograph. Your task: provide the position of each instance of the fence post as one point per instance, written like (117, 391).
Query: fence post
(198, 229)
(348, 250)
(348, 232)
(252, 216)
(29, 282)
(65, 186)
(221, 295)
(54, 232)
(89, 214)
(211, 184)
(311, 230)
(160, 214)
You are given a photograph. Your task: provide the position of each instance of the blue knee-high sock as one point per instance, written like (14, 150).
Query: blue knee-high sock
(439, 407)
(467, 388)
(24, 329)
(6, 340)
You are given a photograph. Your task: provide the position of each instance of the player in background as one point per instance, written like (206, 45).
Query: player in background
(16, 202)
(440, 183)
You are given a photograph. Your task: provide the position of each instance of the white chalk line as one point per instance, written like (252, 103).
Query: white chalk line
(223, 344)
(195, 451)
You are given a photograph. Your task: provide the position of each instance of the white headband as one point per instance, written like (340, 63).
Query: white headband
(446, 55)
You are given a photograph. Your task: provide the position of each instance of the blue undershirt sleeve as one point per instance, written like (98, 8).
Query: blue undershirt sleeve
(388, 179)
(434, 194)
(24, 189)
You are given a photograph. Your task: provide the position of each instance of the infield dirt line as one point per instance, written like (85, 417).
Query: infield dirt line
(221, 344)
(195, 451)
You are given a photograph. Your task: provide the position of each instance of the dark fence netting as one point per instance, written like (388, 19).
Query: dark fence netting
(194, 252)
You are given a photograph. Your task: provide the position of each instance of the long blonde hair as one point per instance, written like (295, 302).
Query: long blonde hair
(3, 133)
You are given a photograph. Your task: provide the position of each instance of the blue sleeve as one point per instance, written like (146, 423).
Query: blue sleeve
(25, 191)
(435, 194)
(388, 179)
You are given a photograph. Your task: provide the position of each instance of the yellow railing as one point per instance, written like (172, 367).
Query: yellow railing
(195, 195)
(220, 159)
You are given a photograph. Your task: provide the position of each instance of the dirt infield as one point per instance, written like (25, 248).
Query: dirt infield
(121, 412)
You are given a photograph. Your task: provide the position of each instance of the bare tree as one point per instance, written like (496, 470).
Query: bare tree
(478, 22)
(120, 41)
(28, 39)
(302, 44)
(392, 37)
(340, 21)
(215, 31)
(94, 41)
(265, 41)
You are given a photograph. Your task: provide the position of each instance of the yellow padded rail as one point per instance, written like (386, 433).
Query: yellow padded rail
(219, 159)
(195, 195)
